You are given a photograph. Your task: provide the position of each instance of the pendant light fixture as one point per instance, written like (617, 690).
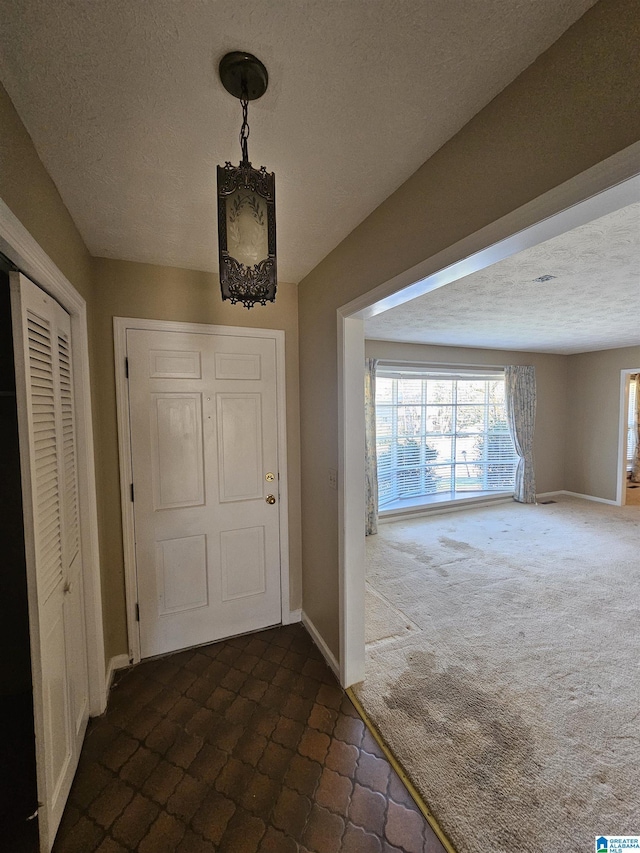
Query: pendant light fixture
(246, 199)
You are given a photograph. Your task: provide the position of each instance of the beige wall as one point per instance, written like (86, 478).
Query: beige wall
(125, 289)
(593, 399)
(133, 290)
(572, 108)
(31, 195)
(26, 188)
(551, 386)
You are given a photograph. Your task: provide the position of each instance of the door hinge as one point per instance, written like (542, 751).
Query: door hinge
(126, 366)
(132, 498)
(137, 612)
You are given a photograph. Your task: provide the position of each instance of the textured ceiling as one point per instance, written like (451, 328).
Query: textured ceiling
(124, 106)
(591, 304)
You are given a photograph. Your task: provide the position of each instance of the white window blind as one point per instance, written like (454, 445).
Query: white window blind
(441, 431)
(631, 422)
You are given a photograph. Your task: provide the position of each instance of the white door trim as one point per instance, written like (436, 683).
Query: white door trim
(120, 327)
(23, 250)
(351, 498)
(621, 485)
(607, 186)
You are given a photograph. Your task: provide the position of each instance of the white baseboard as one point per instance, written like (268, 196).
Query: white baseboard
(546, 495)
(320, 643)
(578, 495)
(116, 662)
(291, 617)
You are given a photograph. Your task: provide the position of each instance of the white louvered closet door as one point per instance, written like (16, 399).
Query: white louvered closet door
(42, 343)
(74, 589)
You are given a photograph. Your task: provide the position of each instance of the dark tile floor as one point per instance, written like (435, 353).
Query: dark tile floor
(248, 746)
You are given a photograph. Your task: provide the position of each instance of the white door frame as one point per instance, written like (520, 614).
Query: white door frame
(622, 434)
(606, 187)
(120, 327)
(21, 248)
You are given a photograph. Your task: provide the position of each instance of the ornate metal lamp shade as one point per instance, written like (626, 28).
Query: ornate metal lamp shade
(246, 200)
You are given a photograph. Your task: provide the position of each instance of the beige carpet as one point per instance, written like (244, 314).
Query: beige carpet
(384, 621)
(507, 681)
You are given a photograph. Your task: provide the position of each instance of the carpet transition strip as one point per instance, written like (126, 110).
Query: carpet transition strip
(393, 761)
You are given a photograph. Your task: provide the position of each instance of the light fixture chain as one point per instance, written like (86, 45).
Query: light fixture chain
(244, 130)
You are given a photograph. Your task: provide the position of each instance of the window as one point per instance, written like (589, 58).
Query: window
(441, 433)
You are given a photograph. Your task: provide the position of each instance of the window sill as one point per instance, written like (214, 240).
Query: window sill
(439, 503)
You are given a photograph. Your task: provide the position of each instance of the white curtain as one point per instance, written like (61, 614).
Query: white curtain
(371, 461)
(520, 403)
(635, 465)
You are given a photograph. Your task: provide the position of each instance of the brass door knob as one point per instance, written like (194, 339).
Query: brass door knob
(270, 499)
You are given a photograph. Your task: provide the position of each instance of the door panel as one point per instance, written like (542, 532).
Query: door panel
(70, 474)
(177, 452)
(242, 562)
(165, 364)
(181, 574)
(58, 736)
(239, 423)
(203, 412)
(73, 590)
(77, 669)
(231, 365)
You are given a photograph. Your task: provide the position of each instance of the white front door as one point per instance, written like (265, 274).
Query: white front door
(204, 449)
